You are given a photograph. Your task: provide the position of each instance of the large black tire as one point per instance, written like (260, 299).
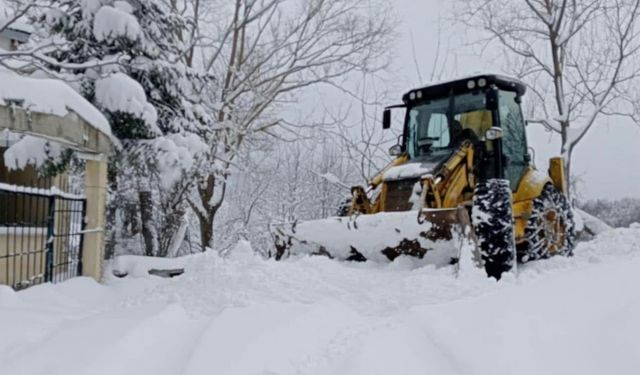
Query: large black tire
(492, 218)
(550, 228)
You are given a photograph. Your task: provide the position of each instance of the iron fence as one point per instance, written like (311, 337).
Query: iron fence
(41, 235)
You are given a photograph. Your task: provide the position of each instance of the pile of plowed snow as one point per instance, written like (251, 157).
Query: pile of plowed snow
(246, 315)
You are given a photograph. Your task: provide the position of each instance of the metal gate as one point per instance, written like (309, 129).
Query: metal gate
(41, 235)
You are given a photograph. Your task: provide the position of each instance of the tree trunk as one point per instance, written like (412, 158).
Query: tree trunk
(208, 208)
(567, 163)
(206, 228)
(112, 231)
(146, 216)
(206, 232)
(566, 150)
(172, 231)
(177, 233)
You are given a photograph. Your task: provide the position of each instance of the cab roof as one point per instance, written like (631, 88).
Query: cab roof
(464, 85)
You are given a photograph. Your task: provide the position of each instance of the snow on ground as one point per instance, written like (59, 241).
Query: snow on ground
(245, 315)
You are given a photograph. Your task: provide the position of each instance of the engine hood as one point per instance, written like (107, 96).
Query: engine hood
(415, 168)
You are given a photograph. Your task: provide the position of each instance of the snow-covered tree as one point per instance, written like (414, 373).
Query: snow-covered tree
(127, 58)
(162, 135)
(283, 181)
(264, 52)
(579, 58)
(191, 87)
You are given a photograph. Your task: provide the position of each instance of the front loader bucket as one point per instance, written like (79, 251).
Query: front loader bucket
(433, 235)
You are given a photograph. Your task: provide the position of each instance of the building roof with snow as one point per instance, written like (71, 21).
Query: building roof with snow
(17, 31)
(52, 109)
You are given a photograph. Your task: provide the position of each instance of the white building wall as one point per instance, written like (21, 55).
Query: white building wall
(5, 43)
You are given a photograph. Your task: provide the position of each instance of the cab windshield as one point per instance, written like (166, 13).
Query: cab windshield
(437, 126)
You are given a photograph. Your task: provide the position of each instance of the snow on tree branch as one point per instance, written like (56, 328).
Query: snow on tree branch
(580, 59)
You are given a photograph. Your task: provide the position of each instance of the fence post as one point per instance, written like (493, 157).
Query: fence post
(96, 195)
(48, 256)
(83, 226)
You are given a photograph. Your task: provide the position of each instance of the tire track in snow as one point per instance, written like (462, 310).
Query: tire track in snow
(139, 341)
(158, 345)
(396, 347)
(57, 305)
(283, 338)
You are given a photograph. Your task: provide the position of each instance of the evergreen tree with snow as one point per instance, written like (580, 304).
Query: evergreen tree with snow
(150, 97)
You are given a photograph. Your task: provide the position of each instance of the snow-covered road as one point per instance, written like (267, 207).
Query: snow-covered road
(244, 315)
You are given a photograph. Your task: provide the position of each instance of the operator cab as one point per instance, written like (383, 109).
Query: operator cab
(481, 109)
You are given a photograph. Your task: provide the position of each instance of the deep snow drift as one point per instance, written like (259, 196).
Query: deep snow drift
(244, 315)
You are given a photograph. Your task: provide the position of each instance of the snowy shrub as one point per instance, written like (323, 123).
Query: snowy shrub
(617, 213)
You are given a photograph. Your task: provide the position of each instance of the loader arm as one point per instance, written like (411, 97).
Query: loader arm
(447, 188)
(444, 189)
(378, 179)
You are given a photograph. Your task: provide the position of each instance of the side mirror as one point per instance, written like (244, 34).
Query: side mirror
(386, 119)
(395, 150)
(493, 133)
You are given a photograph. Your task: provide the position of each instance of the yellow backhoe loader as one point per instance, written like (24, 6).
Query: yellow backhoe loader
(462, 172)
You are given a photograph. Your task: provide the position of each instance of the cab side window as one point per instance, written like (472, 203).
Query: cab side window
(514, 141)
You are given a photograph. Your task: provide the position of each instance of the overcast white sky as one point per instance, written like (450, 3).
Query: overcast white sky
(608, 159)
